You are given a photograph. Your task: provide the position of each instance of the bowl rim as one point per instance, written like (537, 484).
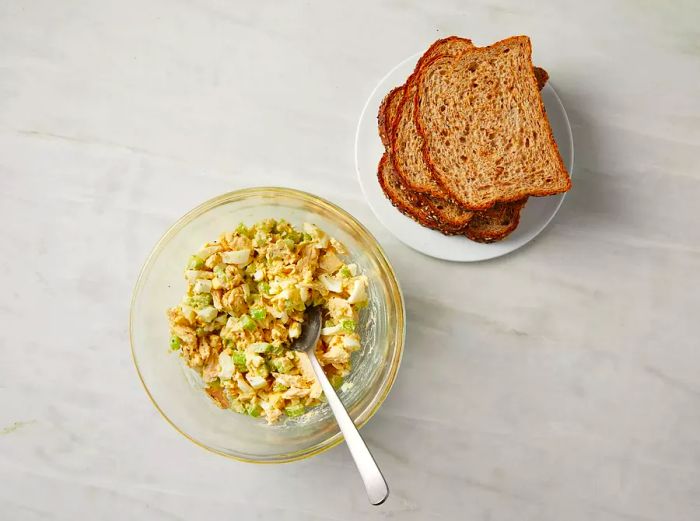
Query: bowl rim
(393, 282)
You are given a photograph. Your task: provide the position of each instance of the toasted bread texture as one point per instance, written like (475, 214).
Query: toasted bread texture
(446, 213)
(496, 223)
(387, 113)
(406, 142)
(486, 138)
(409, 203)
(488, 226)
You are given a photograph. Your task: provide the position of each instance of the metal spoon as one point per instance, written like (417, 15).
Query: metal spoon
(375, 484)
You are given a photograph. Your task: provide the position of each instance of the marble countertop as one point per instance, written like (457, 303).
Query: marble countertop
(561, 382)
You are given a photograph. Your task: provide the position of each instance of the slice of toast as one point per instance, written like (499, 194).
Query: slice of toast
(486, 138)
(444, 211)
(409, 203)
(447, 211)
(496, 223)
(406, 143)
(490, 225)
(387, 113)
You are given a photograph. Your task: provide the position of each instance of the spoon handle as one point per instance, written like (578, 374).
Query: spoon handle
(375, 484)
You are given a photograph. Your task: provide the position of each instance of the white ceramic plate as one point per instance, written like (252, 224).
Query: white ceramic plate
(536, 215)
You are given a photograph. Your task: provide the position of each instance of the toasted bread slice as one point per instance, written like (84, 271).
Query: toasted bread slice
(541, 76)
(486, 138)
(406, 143)
(448, 212)
(455, 215)
(409, 203)
(490, 225)
(496, 223)
(387, 113)
(445, 212)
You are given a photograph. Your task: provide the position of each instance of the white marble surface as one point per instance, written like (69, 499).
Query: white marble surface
(558, 383)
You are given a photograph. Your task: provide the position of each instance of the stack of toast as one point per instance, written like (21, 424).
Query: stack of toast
(467, 140)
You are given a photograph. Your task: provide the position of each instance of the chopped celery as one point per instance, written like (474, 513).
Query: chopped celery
(264, 288)
(195, 263)
(307, 237)
(261, 347)
(345, 272)
(261, 370)
(295, 236)
(237, 406)
(175, 343)
(294, 304)
(258, 313)
(254, 410)
(348, 325)
(243, 230)
(290, 243)
(268, 225)
(294, 410)
(281, 364)
(336, 381)
(279, 388)
(200, 331)
(239, 361)
(247, 323)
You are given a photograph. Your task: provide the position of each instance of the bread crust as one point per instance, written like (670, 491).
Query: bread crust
(537, 80)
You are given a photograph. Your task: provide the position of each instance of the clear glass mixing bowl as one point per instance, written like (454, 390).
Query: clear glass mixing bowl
(176, 391)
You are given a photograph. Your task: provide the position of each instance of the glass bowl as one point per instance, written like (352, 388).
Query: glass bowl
(177, 392)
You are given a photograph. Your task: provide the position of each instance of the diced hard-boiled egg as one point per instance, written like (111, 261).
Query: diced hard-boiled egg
(243, 385)
(193, 275)
(359, 291)
(208, 313)
(226, 366)
(207, 251)
(332, 330)
(256, 382)
(202, 286)
(188, 312)
(238, 257)
(331, 283)
(351, 342)
(282, 315)
(294, 330)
